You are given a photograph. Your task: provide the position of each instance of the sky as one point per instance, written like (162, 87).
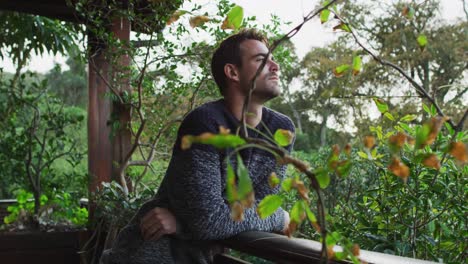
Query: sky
(313, 34)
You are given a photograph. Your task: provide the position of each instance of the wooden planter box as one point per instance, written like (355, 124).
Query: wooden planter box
(41, 247)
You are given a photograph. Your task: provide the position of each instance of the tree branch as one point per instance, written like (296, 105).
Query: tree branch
(417, 86)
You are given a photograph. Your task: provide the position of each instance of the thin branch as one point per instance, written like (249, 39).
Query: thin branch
(114, 91)
(417, 86)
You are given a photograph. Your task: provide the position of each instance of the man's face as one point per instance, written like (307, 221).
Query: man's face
(267, 85)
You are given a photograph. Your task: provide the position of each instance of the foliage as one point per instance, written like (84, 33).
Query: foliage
(416, 215)
(58, 209)
(36, 132)
(115, 207)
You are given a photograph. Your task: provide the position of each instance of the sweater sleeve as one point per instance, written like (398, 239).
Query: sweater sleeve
(196, 194)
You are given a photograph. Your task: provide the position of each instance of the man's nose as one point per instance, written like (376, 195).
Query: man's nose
(274, 67)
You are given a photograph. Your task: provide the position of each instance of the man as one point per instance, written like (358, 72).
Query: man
(193, 189)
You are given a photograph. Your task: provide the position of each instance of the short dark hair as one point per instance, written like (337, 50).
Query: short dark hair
(229, 52)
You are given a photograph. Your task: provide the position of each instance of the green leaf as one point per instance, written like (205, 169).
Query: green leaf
(322, 177)
(381, 105)
(283, 137)
(426, 109)
(231, 190)
(408, 118)
(269, 205)
(422, 133)
(389, 116)
(325, 14)
(234, 18)
(357, 65)
(341, 70)
(286, 185)
(310, 215)
(362, 155)
(220, 141)
(422, 41)
(344, 168)
(433, 110)
(245, 182)
(406, 127)
(298, 211)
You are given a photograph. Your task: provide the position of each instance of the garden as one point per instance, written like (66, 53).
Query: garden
(380, 154)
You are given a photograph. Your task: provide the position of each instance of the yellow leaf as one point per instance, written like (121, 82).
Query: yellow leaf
(291, 228)
(273, 180)
(432, 161)
(197, 21)
(186, 142)
(248, 202)
(283, 137)
(316, 226)
(301, 189)
(175, 17)
(224, 131)
(237, 212)
(435, 124)
(458, 151)
(399, 169)
(347, 149)
(330, 252)
(397, 141)
(369, 142)
(355, 250)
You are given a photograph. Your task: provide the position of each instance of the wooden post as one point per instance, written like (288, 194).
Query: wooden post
(105, 153)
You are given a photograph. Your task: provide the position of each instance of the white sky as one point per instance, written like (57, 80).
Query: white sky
(313, 34)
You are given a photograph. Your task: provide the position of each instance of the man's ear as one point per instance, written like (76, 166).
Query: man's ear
(231, 72)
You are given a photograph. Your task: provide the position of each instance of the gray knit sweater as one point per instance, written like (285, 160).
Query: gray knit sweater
(193, 189)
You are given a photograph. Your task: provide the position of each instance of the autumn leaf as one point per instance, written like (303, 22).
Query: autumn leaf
(273, 180)
(291, 228)
(427, 134)
(397, 141)
(343, 27)
(369, 142)
(408, 12)
(301, 189)
(347, 149)
(177, 14)
(186, 142)
(224, 131)
(355, 250)
(197, 21)
(431, 161)
(237, 212)
(399, 169)
(459, 151)
(330, 252)
(283, 137)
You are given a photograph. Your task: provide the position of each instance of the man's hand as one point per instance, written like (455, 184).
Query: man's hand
(156, 223)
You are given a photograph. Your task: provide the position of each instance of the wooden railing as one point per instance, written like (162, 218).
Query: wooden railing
(281, 249)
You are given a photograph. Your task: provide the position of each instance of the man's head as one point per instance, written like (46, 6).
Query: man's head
(238, 58)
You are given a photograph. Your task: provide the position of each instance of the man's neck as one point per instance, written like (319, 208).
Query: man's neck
(254, 112)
